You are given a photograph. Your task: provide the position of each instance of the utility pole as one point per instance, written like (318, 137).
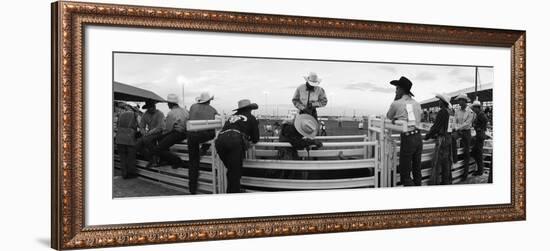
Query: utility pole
(475, 93)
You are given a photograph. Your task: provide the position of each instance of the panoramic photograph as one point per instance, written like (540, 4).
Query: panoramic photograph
(201, 124)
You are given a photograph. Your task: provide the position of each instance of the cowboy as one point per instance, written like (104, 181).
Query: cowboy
(201, 110)
(173, 133)
(238, 131)
(480, 126)
(125, 140)
(463, 125)
(309, 96)
(442, 135)
(405, 108)
(323, 129)
(276, 129)
(151, 127)
(300, 133)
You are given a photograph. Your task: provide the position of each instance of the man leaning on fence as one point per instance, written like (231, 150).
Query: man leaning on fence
(441, 165)
(234, 139)
(463, 122)
(405, 108)
(201, 110)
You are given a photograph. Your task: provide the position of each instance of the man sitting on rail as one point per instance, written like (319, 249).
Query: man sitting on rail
(151, 127)
(300, 133)
(173, 133)
(202, 110)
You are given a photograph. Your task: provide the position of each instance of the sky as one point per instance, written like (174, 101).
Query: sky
(352, 88)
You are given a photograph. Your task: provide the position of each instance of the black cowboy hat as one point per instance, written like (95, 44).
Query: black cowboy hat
(245, 103)
(148, 104)
(404, 83)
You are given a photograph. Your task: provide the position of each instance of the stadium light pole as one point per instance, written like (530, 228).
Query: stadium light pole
(266, 93)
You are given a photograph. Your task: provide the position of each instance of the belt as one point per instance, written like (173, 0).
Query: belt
(232, 130)
(409, 133)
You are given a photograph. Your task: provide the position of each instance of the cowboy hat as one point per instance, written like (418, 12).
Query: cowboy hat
(313, 79)
(462, 96)
(306, 125)
(245, 103)
(172, 98)
(444, 98)
(476, 103)
(148, 104)
(204, 97)
(404, 83)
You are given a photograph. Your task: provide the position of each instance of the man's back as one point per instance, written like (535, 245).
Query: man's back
(200, 111)
(176, 115)
(400, 108)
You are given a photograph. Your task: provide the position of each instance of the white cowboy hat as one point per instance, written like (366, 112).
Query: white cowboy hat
(245, 103)
(463, 96)
(306, 125)
(204, 97)
(313, 79)
(445, 98)
(476, 103)
(172, 98)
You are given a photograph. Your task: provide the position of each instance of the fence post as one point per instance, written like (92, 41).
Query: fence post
(377, 165)
(215, 171)
(365, 149)
(383, 154)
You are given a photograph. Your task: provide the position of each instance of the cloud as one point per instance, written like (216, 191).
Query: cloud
(425, 76)
(469, 79)
(367, 86)
(388, 68)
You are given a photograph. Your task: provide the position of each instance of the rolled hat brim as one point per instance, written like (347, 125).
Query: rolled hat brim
(252, 106)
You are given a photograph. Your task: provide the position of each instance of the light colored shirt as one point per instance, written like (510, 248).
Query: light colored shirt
(398, 110)
(315, 97)
(464, 118)
(200, 111)
(176, 115)
(152, 123)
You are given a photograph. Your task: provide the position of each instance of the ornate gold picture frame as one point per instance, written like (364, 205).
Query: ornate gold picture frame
(69, 20)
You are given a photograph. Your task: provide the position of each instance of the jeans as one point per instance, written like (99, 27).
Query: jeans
(442, 161)
(163, 148)
(127, 155)
(194, 139)
(465, 137)
(231, 149)
(410, 160)
(477, 153)
(146, 144)
(312, 112)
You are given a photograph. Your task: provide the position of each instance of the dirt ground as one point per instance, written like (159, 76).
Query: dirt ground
(137, 187)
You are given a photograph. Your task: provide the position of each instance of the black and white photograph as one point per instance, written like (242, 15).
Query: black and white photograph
(200, 124)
